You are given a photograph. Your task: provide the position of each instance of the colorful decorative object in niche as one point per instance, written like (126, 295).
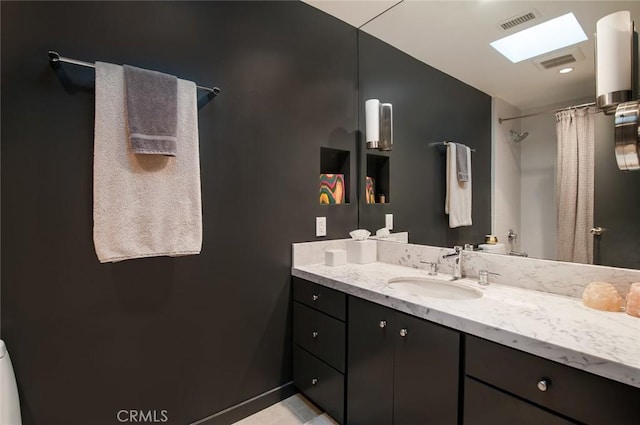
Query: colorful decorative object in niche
(370, 191)
(332, 188)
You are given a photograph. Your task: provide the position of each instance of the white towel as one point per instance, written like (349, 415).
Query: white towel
(458, 199)
(143, 205)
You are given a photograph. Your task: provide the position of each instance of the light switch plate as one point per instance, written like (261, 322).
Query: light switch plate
(388, 221)
(321, 226)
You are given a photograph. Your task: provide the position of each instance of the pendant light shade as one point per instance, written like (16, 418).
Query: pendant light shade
(614, 59)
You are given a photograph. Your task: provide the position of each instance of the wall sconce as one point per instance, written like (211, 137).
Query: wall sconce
(379, 125)
(614, 60)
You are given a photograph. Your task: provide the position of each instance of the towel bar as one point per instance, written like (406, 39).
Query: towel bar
(54, 57)
(445, 144)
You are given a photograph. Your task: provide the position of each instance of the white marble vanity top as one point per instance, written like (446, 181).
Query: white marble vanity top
(551, 326)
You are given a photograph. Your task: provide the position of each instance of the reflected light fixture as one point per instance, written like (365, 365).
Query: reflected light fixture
(379, 125)
(614, 60)
(566, 70)
(546, 37)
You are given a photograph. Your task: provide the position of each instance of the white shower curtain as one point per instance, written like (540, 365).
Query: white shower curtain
(574, 184)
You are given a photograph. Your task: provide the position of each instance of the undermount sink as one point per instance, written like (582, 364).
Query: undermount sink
(434, 288)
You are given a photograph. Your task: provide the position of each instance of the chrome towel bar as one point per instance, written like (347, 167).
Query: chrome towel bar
(54, 57)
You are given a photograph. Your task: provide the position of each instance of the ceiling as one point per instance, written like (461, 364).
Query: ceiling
(454, 37)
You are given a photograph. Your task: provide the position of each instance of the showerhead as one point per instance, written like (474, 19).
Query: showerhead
(518, 137)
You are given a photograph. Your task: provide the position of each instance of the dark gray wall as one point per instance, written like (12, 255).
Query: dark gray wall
(428, 106)
(190, 335)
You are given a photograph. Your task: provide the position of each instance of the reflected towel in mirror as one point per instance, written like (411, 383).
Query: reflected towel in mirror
(458, 194)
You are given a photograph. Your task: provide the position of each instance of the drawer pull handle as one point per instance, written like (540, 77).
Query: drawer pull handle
(383, 324)
(314, 335)
(315, 297)
(314, 381)
(404, 332)
(544, 384)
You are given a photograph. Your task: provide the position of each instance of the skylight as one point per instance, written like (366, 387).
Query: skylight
(554, 34)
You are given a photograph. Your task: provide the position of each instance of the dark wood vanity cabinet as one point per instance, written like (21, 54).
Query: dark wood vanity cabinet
(504, 383)
(401, 370)
(366, 364)
(319, 351)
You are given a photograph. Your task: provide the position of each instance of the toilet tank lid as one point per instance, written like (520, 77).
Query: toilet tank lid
(3, 349)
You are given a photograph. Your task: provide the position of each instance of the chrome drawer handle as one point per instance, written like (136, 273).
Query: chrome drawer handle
(404, 332)
(315, 297)
(383, 324)
(314, 381)
(544, 384)
(314, 335)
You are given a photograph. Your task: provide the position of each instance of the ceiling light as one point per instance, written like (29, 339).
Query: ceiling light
(565, 70)
(551, 35)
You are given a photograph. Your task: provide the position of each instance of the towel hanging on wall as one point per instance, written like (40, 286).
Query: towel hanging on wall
(462, 166)
(458, 193)
(143, 205)
(152, 111)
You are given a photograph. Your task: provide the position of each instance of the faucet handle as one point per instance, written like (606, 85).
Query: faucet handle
(433, 267)
(457, 248)
(484, 276)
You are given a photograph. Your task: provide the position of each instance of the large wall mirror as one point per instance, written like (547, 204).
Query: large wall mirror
(448, 84)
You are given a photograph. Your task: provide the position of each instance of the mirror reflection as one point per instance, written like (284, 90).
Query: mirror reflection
(434, 63)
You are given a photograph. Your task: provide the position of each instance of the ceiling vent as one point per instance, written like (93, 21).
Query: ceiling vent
(558, 58)
(519, 19)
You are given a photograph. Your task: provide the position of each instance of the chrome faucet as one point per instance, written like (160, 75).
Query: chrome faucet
(457, 265)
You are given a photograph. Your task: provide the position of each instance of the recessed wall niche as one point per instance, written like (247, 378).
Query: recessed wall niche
(334, 181)
(377, 180)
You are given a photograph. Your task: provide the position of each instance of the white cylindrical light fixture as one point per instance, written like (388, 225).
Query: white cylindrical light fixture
(372, 123)
(614, 52)
(386, 127)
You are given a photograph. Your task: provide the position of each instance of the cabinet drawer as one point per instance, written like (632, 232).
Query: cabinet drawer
(321, 335)
(485, 405)
(321, 298)
(320, 382)
(577, 394)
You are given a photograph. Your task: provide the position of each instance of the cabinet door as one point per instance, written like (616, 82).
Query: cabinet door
(369, 363)
(426, 371)
(484, 405)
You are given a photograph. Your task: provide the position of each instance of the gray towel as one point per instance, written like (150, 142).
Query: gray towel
(152, 112)
(461, 163)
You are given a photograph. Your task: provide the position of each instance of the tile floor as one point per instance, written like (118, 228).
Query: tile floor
(295, 410)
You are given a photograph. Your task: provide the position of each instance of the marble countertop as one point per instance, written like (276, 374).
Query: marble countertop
(551, 326)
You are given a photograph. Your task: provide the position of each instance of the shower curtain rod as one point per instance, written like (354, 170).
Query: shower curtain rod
(54, 57)
(584, 105)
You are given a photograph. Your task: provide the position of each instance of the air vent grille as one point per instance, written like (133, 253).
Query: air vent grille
(560, 60)
(521, 19)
